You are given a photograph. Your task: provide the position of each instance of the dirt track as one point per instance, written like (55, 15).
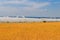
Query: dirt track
(30, 31)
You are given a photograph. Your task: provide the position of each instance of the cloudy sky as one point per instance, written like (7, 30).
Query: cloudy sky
(30, 8)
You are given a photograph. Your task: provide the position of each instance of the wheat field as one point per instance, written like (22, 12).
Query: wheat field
(30, 31)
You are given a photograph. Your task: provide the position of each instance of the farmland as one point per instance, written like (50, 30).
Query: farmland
(30, 31)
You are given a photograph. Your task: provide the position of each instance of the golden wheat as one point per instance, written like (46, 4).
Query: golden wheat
(30, 31)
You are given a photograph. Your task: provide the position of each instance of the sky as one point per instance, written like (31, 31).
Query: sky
(41, 8)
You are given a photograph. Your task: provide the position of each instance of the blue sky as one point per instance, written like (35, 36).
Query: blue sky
(50, 8)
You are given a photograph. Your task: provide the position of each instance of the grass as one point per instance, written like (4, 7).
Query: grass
(30, 31)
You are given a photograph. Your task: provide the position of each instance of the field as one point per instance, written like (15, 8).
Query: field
(30, 31)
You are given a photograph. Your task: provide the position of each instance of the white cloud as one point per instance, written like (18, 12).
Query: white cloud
(21, 11)
(30, 9)
(25, 2)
